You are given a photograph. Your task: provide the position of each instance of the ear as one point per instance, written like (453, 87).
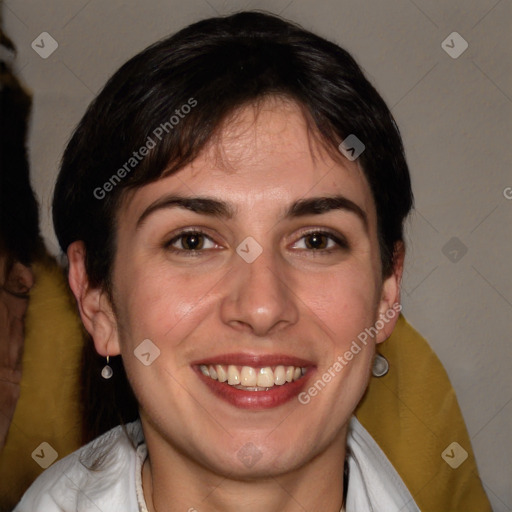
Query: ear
(389, 306)
(93, 303)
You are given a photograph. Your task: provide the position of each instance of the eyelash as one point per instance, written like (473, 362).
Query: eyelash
(340, 241)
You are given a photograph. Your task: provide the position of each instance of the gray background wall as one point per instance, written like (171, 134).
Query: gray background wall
(456, 118)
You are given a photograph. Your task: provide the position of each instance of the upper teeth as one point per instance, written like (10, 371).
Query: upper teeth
(249, 377)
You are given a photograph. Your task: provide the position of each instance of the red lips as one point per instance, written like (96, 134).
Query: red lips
(255, 400)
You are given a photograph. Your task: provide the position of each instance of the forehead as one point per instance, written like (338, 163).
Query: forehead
(265, 155)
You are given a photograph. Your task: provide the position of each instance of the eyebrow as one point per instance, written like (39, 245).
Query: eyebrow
(202, 205)
(319, 205)
(221, 209)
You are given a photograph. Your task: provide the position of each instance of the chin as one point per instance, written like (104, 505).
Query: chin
(250, 457)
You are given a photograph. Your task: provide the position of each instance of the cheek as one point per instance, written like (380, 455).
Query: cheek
(346, 301)
(156, 304)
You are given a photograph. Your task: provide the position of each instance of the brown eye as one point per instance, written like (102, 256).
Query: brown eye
(316, 241)
(191, 241)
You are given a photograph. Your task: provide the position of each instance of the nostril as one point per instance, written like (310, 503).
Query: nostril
(241, 326)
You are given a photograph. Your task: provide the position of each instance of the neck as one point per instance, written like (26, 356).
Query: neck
(172, 482)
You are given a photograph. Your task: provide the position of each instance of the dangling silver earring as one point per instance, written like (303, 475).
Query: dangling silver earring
(380, 366)
(107, 372)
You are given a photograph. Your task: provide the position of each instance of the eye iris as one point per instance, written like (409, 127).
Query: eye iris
(193, 241)
(316, 241)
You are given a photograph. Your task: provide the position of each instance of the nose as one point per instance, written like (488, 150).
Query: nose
(20, 278)
(259, 299)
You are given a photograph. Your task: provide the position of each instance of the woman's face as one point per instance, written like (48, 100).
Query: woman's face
(259, 260)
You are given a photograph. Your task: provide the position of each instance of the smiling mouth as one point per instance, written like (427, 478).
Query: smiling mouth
(248, 378)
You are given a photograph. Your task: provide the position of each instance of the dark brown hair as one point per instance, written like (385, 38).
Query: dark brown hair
(20, 238)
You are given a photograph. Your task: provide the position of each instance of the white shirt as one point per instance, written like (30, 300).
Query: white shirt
(116, 484)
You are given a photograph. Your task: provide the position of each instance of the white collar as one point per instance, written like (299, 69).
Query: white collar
(374, 484)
